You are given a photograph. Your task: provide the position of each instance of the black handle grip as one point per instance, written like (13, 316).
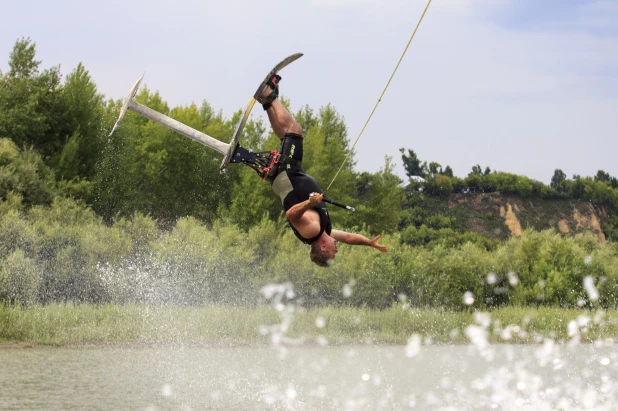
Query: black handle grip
(338, 204)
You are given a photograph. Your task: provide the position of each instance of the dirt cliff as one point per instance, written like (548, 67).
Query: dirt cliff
(494, 215)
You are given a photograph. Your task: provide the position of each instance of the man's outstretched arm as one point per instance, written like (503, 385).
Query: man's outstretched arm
(357, 239)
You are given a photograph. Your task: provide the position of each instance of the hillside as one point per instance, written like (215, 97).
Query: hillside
(498, 216)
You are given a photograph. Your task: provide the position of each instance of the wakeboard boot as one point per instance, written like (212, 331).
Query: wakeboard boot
(272, 84)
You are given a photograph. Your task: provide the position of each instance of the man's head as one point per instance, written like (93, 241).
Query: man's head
(323, 250)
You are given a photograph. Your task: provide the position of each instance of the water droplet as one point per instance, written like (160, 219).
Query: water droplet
(513, 279)
(365, 377)
(291, 393)
(591, 289)
(583, 320)
(166, 391)
(588, 260)
(492, 278)
(468, 298)
(413, 348)
(320, 322)
(572, 328)
(347, 291)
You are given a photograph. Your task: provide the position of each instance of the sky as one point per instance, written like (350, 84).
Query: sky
(522, 86)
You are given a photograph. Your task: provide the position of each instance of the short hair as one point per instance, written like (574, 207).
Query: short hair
(318, 256)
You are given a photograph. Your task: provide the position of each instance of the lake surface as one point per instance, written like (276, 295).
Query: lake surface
(418, 376)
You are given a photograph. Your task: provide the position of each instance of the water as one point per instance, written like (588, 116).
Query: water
(434, 377)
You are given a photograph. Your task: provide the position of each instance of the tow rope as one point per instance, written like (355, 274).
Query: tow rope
(381, 95)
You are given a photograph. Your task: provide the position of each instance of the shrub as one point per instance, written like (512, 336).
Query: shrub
(19, 279)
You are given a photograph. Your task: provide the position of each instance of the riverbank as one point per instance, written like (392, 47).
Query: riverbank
(67, 325)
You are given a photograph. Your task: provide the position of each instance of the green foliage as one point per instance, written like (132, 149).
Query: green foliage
(23, 173)
(412, 164)
(30, 102)
(79, 258)
(448, 171)
(12, 202)
(380, 196)
(19, 279)
(83, 114)
(435, 168)
(439, 185)
(425, 236)
(325, 148)
(476, 170)
(68, 241)
(558, 179)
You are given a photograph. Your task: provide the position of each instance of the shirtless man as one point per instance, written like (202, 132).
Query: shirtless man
(300, 194)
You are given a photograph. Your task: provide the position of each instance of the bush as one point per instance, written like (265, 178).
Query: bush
(79, 258)
(24, 173)
(439, 185)
(19, 279)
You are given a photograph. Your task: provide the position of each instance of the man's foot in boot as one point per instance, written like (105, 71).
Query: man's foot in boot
(270, 92)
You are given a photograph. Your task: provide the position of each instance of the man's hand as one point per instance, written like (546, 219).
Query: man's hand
(315, 198)
(374, 244)
(357, 239)
(295, 213)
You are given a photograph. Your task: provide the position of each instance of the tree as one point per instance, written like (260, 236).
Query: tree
(23, 173)
(83, 114)
(412, 164)
(30, 102)
(557, 180)
(22, 63)
(381, 197)
(435, 168)
(476, 170)
(325, 147)
(603, 176)
(448, 171)
(440, 185)
(487, 171)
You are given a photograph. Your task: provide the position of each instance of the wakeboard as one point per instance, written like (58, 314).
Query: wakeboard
(245, 115)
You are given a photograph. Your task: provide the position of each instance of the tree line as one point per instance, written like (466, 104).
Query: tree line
(56, 142)
(84, 215)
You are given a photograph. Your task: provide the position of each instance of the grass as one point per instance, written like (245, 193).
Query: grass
(62, 325)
